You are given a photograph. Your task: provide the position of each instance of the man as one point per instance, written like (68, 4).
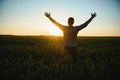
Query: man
(70, 33)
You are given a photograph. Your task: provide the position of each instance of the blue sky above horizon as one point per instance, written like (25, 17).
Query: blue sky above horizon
(26, 17)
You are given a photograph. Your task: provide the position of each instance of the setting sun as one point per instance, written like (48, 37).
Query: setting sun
(54, 31)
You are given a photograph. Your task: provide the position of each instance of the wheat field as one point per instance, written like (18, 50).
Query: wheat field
(41, 58)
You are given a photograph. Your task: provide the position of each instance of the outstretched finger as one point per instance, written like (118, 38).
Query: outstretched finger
(46, 14)
(94, 13)
(91, 14)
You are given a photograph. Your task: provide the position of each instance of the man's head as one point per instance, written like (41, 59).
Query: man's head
(70, 21)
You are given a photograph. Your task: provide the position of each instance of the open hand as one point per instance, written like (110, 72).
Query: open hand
(93, 15)
(47, 14)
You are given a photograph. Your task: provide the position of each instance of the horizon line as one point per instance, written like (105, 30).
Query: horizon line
(59, 35)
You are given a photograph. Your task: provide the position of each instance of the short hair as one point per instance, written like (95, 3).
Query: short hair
(70, 20)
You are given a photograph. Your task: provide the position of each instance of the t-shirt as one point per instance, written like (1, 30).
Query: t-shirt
(70, 35)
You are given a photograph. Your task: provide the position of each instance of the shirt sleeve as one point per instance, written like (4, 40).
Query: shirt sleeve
(84, 24)
(81, 26)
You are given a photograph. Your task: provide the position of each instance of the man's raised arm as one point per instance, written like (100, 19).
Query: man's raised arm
(87, 22)
(55, 22)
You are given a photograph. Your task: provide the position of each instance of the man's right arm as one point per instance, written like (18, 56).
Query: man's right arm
(53, 21)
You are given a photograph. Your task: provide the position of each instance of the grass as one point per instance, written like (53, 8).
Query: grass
(41, 58)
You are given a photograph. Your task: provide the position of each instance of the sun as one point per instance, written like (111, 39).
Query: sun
(53, 30)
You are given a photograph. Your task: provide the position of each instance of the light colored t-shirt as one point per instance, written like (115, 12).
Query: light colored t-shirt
(70, 35)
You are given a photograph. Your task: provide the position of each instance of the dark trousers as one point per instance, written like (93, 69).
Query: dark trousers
(71, 51)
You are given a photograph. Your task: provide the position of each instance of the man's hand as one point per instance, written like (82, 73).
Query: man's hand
(47, 14)
(93, 15)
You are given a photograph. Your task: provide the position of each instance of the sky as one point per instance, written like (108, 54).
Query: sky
(26, 17)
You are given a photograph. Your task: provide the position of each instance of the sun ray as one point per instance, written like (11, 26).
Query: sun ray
(53, 30)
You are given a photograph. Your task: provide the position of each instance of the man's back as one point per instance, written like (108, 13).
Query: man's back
(70, 35)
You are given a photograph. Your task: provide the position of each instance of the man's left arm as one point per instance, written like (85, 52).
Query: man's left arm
(87, 22)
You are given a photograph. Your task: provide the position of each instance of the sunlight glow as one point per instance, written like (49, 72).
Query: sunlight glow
(54, 31)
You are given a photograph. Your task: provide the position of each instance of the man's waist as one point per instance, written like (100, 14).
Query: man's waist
(70, 45)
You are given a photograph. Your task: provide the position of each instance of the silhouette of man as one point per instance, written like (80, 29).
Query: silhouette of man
(70, 33)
